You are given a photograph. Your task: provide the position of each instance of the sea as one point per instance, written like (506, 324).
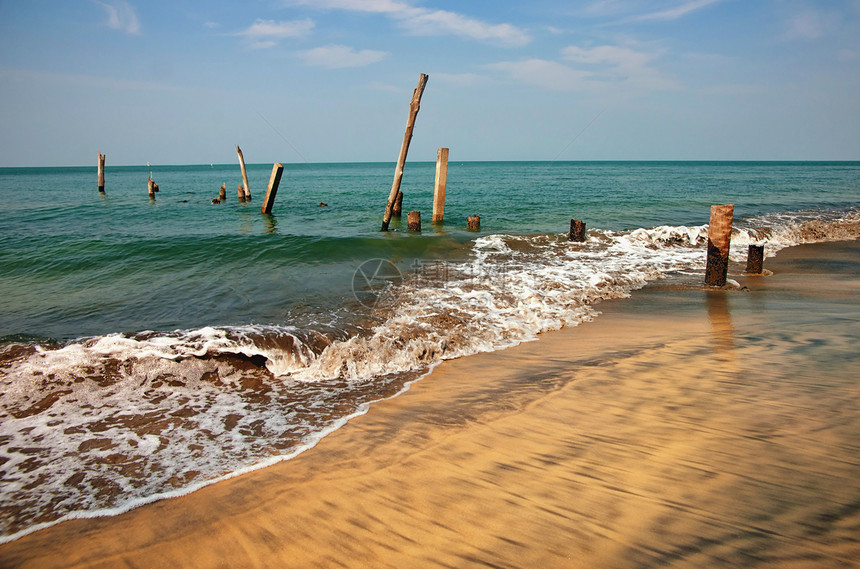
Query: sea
(150, 347)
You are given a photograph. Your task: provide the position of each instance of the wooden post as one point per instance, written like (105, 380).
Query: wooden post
(441, 182)
(240, 189)
(719, 237)
(247, 195)
(414, 105)
(272, 189)
(755, 259)
(101, 173)
(577, 231)
(473, 223)
(398, 205)
(222, 192)
(151, 186)
(413, 221)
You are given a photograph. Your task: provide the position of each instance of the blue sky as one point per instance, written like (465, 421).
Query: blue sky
(183, 82)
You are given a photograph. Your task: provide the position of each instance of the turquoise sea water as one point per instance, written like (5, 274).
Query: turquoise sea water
(150, 347)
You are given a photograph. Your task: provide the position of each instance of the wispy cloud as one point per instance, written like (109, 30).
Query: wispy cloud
(265, 33)
(339, 56)
(426, 21)
(808, 23)
(121, 16)
(599, 69)
(676, 12)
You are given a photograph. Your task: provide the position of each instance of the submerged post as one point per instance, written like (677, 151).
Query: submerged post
(240, 190)
(577, 231)
(441, 182)
(247, 195)
(398, 205)
(101, 173)
(272, 189)
(473, 223)
(414, 105)
(413, 221)
(151, 186)
(755, 259)
(719, 237)
(222, 192)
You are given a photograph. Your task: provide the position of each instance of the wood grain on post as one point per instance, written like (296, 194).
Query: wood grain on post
(473, 223)
(577, 231)
(755, 259)
(413, 221)
(441, 182)
(101, 173)
(247, 195)
(240, 190)
(398, 205)
(414, 105)
(151, 186)
(272, 188)
(222, 192)
(719, 237)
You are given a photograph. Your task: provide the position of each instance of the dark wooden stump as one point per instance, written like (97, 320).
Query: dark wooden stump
(473, 223)
(413, 221)
(398, 205)
(577, 231)
(719, 237)
(755, 259)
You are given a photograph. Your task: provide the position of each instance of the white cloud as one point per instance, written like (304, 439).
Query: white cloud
(121, 16)
(809, 23)
(262, 29)
(424, 21)
(676, 12)
(339, 56)
(599, 69)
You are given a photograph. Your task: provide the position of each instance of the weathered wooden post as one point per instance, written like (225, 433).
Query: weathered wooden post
(240, 190)
(473, 223)
(719, 237)
(398, 205)
(222, 192)
(151, 186)
(755, 259)
(244, 174)
(272, 188)
(577, 231)
(101, 173)
(414, 105)
(441, 182)
(413, 221)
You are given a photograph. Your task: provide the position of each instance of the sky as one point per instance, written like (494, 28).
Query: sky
(294, 81)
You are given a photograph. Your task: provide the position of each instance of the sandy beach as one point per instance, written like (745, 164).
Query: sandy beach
(683, 427)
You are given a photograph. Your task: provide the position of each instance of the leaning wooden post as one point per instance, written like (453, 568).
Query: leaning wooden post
(473, 223)
(101, 173)
(413, 221)
(577, 231)
(272, 189)
(247, 195)
(414, 105)
(441, 182)
(755, 259)
(719, 237)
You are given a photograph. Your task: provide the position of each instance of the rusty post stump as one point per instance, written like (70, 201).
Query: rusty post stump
(413, 221)
(577, 231)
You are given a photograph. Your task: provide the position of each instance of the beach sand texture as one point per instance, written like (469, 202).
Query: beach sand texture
(682, 428)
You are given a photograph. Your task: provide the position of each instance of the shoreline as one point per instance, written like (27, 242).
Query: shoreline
(526, 462)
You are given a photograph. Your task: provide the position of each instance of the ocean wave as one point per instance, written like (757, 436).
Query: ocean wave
(106, 423)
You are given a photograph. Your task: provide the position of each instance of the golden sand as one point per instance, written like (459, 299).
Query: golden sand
(683, 428)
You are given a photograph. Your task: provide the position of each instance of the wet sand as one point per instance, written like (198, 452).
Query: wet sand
(683, 428)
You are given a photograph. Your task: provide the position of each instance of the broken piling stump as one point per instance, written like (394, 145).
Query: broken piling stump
(473, 223)
(413, 221)
(151, 186)
(272, 188)
(577, 231)
(240, 190)
(441, 182)
(755, 259)
(222, 192)
(414, 105)
(398, 205)
(719, 237)
(101, 173)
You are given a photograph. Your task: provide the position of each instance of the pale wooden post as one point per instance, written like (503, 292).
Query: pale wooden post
(473, 223)
(414, 105)
(755, 259)
(441, 182)
(719, 238)
(101, 173)
(272, 189)
(413, 221)
(577, 231)
(247, 195)
(240, 190)
(222, 192)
